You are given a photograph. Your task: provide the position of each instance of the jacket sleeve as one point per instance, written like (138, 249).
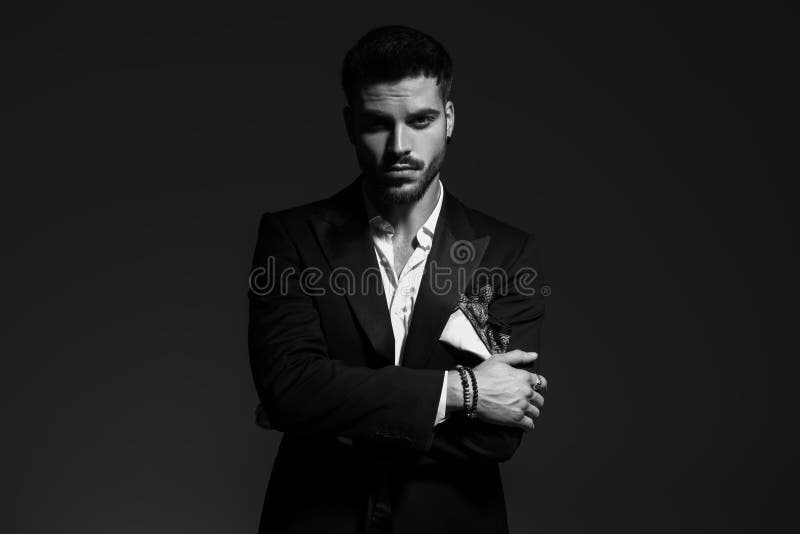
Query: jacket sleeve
(300, 387)
(520, 304)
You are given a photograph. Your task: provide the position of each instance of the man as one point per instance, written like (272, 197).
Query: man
(349, 299)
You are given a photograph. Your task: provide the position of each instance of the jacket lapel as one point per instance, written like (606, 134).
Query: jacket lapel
(343, 235)
(456, 253)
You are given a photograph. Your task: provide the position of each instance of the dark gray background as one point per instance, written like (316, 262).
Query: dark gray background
(643, 147)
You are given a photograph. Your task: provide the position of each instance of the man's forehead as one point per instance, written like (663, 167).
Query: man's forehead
(419, 91)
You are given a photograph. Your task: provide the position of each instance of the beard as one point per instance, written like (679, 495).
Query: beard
(390, 194)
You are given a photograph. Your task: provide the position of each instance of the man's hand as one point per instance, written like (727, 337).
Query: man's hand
(506, 395)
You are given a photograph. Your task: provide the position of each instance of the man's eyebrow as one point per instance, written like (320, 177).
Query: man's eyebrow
(374, 113)
(425, 112)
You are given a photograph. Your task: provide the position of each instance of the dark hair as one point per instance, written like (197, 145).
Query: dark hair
(391, 53)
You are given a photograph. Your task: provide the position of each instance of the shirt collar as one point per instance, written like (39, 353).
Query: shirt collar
(383, 227)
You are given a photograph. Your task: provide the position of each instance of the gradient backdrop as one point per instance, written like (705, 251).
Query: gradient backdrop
(642, 146)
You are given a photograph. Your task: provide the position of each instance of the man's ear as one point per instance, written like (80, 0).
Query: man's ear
(347, 115)
(450, 118)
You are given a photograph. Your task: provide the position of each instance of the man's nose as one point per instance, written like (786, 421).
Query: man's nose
(398, 141)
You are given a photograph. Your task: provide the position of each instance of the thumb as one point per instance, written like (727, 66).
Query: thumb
(517, 357)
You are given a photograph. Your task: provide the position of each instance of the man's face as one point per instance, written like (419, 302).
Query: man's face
(400, 130)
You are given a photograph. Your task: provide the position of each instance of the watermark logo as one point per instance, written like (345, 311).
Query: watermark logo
(462, 252)
(270, 278)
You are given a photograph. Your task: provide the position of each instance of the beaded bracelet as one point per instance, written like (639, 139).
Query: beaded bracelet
(473, 412)
(465, 386)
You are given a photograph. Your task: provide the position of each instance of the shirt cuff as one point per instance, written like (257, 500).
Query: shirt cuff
(441, 414)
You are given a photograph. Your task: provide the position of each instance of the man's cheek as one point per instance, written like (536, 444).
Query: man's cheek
(373, 151)
(368, 155)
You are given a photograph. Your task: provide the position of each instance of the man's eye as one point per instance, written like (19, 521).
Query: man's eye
(422, 121)
(373, 126)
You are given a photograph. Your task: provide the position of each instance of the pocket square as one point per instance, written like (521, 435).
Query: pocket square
(459, 333)
(488, 335)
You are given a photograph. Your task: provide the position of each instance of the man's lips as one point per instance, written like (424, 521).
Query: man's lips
(401, 168)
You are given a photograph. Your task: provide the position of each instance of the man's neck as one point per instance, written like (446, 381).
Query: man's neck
(407, 219)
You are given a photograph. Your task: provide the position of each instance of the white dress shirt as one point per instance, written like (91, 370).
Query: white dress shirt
(401, 288)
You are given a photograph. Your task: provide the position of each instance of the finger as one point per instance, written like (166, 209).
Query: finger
(533, 411)
(537, 399)
(517, 357)
(526, 424)
(535, 379)
(543, 387)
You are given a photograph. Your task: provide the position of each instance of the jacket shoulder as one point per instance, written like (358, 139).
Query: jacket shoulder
(339, 206)
(484, 224)
(294, 220)
(508, 243)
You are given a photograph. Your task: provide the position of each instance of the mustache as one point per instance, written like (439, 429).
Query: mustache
(415, 164)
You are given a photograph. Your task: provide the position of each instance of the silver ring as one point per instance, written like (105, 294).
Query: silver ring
(538, 383)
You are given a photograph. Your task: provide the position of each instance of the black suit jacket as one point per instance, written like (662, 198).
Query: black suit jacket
(322, 357)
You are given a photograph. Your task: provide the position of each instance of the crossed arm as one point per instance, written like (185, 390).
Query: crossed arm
(521, 306)
(305, 391)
